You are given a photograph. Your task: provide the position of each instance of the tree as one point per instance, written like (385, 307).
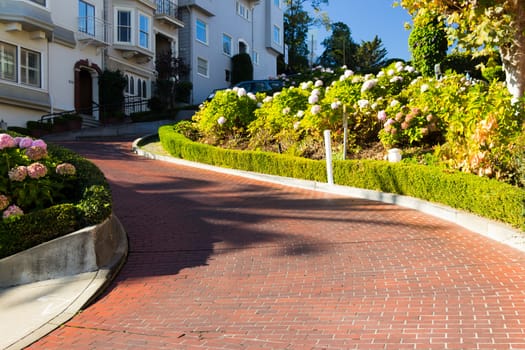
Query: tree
(370, 56)
(428, 42)
(297, 21)
(482, 27)
(340, 49)
(169, 86)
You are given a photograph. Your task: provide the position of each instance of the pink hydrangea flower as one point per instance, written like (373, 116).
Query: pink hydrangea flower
(18, 174)
(25, 142)
(65, 169)
(36, 170)
(7, 141)
(36, 153)
(39, 143)
(12, 210)
(4, 202)
(381, 115)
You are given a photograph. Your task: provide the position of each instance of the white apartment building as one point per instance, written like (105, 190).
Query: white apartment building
(52, 52)
(46, 62)
(216, 30)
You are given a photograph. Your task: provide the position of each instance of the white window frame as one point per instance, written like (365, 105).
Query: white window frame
(131, 25)
(14, 64)
(229, 50)
(140, 32)
(242, 10)
(26, 69)
(276, 32)
(86, 22)
(205, 31)
(22, 72)
(136, 85)
(277, 3)
(207, 63)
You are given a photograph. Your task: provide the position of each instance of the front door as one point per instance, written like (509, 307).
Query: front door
(86, 92)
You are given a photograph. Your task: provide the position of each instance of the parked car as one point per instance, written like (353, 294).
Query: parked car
(255, 86)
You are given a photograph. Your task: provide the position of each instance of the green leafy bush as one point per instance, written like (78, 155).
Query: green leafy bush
(44, 207)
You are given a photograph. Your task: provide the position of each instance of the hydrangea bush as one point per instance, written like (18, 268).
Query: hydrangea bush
(32, 179)
(472, 126)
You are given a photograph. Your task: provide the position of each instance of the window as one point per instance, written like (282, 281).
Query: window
(30, 67)
(277, 35)
(277, 3)
(242, 10)
(144, 31)
(202, 31)
(86, 18)
(227, 75)
(131, 86)
(227, 44)
(144, 89)
(7, 62)
(124, 26)
(202, 66)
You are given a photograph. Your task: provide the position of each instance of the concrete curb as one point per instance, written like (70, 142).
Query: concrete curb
(489, 228)
(57, 279)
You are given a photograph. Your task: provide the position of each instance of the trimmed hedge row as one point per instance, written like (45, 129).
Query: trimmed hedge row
(91, 205)
(481, 196)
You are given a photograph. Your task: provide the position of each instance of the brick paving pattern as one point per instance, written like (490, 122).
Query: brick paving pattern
(223, 262)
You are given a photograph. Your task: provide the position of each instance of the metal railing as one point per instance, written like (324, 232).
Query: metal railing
(131, 104)
(93, 28)
(166, 8)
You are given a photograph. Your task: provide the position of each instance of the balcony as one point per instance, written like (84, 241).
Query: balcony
(22, 16)
(167, 11)
(93, 31)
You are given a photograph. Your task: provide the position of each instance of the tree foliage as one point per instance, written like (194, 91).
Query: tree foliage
(428, 42)
(370, 56)
(297, 21)
(340, 48)
(483, 27)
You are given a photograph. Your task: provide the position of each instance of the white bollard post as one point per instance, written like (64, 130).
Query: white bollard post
(328, 150)
(345, 132)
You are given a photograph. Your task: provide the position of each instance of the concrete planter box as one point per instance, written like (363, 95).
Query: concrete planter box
(93, 248)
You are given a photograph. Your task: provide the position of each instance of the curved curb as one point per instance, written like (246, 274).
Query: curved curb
(73, 269)
(489, 228)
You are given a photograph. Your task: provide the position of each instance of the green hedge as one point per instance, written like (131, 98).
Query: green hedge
(481, 196)
(91, 204)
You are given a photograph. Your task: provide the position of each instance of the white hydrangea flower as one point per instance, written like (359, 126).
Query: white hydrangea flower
(368, 84)
(221, 120)
(380, 74)
(318, 83)
(313, 99)
(363, 103)
(241, 92)
(335, 105)
(424, 87)
(315, 109)
(286, 110)
(394, 103)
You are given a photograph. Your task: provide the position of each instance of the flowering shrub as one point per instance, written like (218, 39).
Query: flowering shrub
(473, 126)
(227, 116)
(32, 180)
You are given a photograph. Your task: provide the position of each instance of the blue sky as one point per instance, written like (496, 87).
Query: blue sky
(367, 18)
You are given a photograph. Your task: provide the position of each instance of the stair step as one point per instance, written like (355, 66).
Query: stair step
(89, 121)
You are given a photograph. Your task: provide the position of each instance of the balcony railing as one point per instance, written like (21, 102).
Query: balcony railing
(94, 30)
(166, 8)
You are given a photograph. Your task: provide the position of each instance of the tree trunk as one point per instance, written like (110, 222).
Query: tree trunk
(513, 54)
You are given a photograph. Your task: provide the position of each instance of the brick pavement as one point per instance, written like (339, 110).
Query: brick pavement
(223, 262)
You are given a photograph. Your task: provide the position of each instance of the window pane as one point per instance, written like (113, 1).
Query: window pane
(202, 34)
(30, 67)
(277, 35)
(7, 62)
(144, 31)
(86, 18)
(124, 26)
(226, 44)
(202, 66)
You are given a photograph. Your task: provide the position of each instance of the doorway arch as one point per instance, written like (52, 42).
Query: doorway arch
(86, 87)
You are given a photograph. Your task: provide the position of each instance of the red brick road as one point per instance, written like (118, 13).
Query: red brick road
(223, 262)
